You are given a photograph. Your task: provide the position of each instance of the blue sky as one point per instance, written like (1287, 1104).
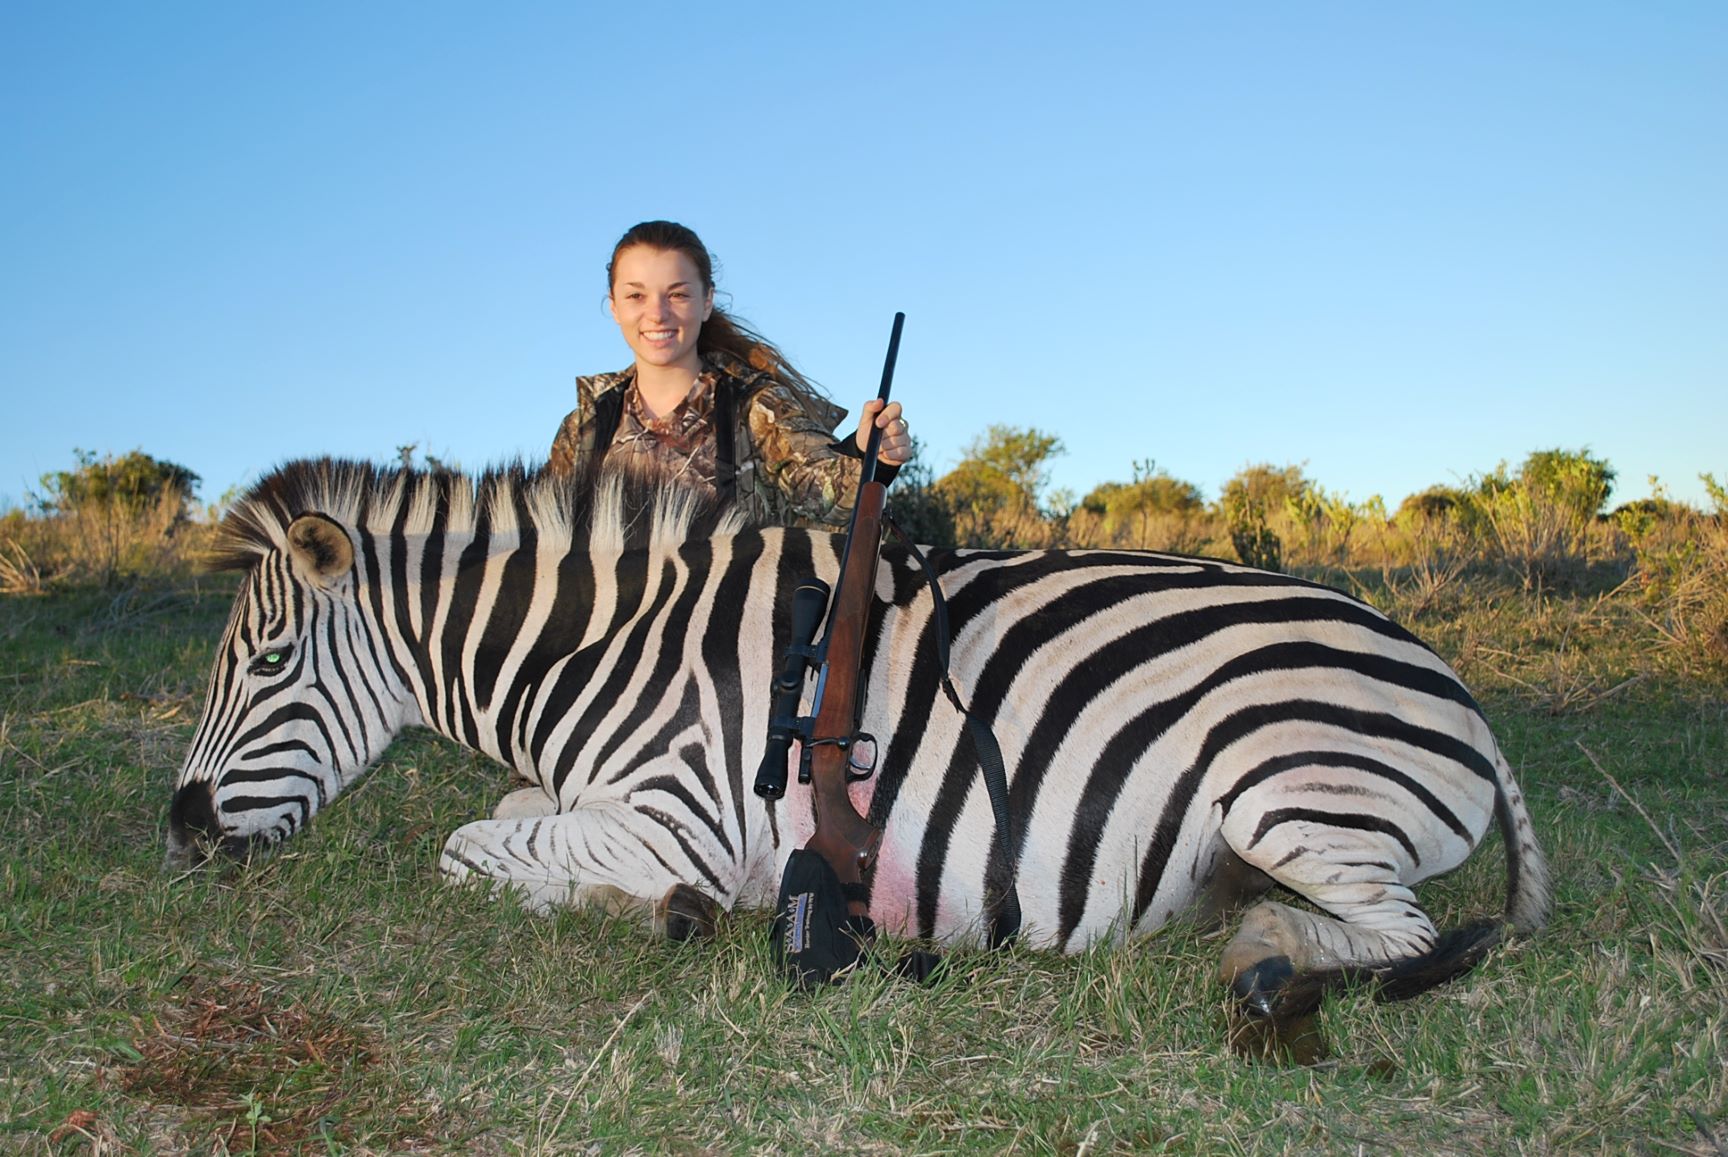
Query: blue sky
(1397, 243)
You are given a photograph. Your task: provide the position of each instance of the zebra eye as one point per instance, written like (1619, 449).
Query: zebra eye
(271, 660)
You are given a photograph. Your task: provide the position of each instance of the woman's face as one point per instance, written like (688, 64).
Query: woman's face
(660, 303)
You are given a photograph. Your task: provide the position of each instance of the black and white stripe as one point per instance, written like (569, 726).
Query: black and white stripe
(1160, 716)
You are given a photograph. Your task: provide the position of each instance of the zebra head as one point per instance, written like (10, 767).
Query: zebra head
(291, 718)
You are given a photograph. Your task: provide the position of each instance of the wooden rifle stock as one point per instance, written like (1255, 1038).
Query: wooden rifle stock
(843, 837)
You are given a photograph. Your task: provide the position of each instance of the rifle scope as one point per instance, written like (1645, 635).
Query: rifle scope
(809, 604)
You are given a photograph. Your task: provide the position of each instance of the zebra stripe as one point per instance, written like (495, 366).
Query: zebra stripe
(1159, 715)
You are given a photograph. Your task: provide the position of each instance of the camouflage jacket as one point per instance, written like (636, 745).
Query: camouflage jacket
(782, 466)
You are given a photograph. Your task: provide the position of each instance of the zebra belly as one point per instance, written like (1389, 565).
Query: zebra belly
(1108, 890)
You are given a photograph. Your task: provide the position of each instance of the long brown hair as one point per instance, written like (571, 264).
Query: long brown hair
(722, 332)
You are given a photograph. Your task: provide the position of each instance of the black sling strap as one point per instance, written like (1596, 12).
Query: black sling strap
(608, 410)
(1005, 912)
(725, 429)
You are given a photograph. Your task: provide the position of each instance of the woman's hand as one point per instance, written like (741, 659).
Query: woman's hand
(896, 447)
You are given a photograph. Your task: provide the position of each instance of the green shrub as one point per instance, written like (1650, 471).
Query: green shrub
(1254, 541)
(1153, 511)
(130, 484)
(1253, 500)
(1541, 523)
(993, 495)
(1321, 525)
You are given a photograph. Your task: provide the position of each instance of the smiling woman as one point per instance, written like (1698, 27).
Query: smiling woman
(710, 404)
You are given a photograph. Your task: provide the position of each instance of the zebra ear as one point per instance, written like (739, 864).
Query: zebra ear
(320, 548)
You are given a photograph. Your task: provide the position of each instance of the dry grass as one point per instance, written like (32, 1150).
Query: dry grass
(105, 544)
(1682, 582)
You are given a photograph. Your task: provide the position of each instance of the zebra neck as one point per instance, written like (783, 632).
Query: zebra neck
(497, 640)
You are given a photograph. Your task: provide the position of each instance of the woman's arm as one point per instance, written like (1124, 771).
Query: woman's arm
(814, 476)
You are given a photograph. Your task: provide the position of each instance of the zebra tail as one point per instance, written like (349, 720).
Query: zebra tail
(1528, 904)
(1529, 898)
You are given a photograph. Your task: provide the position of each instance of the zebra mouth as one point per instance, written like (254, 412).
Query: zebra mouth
(190, 851)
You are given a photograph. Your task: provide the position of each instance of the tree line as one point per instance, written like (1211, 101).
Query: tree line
(1546, 523)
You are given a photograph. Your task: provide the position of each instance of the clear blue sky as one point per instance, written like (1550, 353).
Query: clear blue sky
(1396, 242)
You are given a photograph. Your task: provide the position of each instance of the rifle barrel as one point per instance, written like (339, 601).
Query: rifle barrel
(875, 445)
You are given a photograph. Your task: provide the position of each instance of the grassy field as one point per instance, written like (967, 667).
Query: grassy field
(336, 998)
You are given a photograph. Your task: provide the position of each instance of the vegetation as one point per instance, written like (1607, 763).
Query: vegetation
(107, 519)
(1154, 505)
(998, 482)
(336, 998)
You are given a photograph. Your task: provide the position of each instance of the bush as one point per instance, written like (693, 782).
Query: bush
(1253, 500)
(106, 520)
(1681, 573)
(1321, 525)
(993, 495)
(129, 485)
(1151, 512)
(1254, 541)
(1541, 522)
(1637, 519)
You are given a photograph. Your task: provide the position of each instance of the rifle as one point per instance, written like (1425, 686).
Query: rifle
(822, 927)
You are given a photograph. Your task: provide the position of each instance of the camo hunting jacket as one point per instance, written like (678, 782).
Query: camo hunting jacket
(781, 464)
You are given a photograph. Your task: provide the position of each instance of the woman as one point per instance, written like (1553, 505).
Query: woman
(711, 404)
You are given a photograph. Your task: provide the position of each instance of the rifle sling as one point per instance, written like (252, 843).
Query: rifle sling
(1005, 912)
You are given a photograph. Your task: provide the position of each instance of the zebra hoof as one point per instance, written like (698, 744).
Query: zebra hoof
(1258, 987)
(1275, 1018)
(1273, 989)
(686, 914)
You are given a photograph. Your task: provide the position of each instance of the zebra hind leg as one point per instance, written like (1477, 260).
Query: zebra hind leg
(1283, 959)
(1277, 998)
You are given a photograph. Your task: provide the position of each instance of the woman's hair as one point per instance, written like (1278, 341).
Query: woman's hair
(721, 332)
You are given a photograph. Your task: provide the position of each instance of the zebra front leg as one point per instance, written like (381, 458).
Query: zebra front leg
(525, 803)
(599, 856)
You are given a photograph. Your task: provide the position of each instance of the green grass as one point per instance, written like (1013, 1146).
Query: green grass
(337, 998)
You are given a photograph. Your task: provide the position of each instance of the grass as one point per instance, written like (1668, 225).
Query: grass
(336, 998)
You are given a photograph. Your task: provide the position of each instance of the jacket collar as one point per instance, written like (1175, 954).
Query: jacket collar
(746, 378)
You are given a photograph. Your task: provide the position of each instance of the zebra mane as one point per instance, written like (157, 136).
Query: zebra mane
(606, 513)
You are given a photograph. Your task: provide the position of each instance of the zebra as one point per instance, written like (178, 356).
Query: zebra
(1182, 735)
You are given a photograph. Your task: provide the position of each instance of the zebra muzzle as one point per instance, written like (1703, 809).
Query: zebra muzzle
(195, 835)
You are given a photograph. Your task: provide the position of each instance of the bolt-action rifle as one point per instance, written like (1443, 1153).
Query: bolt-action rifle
(822, 921)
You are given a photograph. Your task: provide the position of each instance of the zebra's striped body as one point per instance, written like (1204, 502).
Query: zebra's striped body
(1161, 717)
